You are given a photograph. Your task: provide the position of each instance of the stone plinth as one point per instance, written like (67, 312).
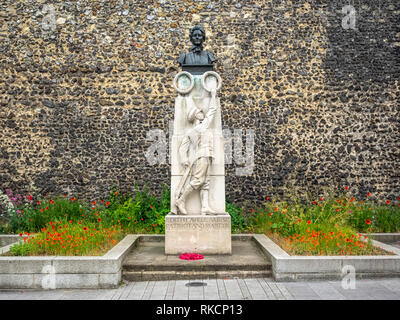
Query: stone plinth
(198, 234)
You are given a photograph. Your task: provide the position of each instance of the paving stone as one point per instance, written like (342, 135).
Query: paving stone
(351, 294)
(245, 291)
(222, 290)
(284, 291)
(267, 289)
(274, 288)
(326, 291)
(126, 291)
(301, 291)
(256, 290)
(211, 290)
(196, 293)
(159, 290)
(148, 291)
(181, 292)
(170, 290)
(233, 290)
(392, 284)
(137, 291)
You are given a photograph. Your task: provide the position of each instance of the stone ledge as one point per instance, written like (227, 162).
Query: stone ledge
(53, 272)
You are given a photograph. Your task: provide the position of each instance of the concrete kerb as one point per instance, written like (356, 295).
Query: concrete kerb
(55, 272)
(298, 268)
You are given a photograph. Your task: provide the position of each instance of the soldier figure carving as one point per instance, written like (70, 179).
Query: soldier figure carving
(197, 126)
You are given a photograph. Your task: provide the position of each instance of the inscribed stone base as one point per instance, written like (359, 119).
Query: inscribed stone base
(198, 234)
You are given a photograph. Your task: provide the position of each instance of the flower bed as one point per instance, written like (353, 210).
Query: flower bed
(327, 244)
(68, 238)
(330, 227)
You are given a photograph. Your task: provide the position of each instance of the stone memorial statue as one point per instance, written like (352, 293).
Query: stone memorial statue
(198, 219)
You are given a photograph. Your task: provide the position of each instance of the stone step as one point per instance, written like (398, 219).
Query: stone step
(148, 261)
(192, 275)
(192, 267)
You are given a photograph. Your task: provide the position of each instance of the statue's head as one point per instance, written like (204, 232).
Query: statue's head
(197, 35)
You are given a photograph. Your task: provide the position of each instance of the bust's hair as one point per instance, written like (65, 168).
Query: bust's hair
(198, 27)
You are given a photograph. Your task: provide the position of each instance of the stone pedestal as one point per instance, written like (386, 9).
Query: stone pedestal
(198, 234)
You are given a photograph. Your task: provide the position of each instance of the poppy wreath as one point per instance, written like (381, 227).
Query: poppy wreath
(191, 256)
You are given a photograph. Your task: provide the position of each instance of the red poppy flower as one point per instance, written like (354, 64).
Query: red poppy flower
(251, 210)
(29, 197)
(320, 199)
(38, 202)
(368, 221)
(98, 219)
(309, 221)
(73, 199)
(346, 188)
(267, 198)
(191, 256)
(368, 194)
(388, 201)
(107, 203)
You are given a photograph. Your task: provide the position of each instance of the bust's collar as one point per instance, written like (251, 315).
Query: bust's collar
(196, 49)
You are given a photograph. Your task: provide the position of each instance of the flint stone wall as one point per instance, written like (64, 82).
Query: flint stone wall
(78, 100)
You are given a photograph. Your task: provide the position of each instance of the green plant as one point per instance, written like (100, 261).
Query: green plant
(70, 238)
(33, 216)
(238, 223)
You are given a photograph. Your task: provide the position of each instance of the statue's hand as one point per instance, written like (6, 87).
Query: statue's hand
(213, 93)
(185, 164)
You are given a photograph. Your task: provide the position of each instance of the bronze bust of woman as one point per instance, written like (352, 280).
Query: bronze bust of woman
(197, 57)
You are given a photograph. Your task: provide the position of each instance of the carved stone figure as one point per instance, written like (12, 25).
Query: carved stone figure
(197, 146)
(201, 137)
(198, 221)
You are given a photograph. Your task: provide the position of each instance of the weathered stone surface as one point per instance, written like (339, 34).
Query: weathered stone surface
(323, 100)
(199, 234)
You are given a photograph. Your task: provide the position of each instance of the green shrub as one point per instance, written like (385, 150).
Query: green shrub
(238, 223)
(33, 217)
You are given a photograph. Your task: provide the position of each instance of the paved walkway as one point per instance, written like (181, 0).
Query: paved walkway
(236, 289)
